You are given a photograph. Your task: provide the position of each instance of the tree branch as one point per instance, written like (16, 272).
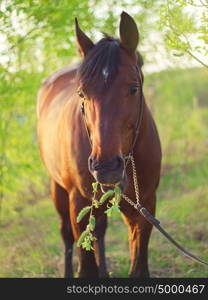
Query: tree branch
(176, 33)
(203, 4)
(196, 5)
(196, 58)
(192, 55)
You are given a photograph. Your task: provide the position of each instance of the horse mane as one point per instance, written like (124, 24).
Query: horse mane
(103, 57)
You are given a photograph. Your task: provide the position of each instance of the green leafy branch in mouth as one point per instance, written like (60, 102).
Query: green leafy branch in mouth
(86, 238)
(114, 207)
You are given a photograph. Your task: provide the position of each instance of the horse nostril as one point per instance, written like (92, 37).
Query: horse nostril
(110, 165)
(96, 166)
(93, 164)
(114, 164)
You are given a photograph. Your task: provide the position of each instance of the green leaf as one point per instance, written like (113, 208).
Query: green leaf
(178, 54)
(107, 195)
(92, 223)
(82, 213)
(95, 187)
(112, 210)
(87, 241)
(117, 190)
(95, 203)
(87, 245)
(82, 237)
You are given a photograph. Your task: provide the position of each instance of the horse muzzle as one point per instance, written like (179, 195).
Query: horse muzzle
(109, 173)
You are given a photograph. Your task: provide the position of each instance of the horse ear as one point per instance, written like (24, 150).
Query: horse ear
(129, 33)
(84, 43)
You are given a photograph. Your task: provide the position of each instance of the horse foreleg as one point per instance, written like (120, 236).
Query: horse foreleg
(99, 245)
(139, 235)
(61, 201)
(87, 263)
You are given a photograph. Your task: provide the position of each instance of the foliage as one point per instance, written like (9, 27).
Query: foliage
(185, 30)
(114, 207)
(44, 29)
(86, 238)
(21, 171)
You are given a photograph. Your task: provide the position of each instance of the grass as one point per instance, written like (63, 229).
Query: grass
(30, 242)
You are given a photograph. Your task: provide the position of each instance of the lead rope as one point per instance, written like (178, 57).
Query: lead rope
(147, 215)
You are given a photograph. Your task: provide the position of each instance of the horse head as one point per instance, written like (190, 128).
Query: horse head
(110, 87)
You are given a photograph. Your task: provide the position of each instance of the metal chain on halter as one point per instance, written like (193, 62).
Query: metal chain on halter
(136, 205)
(142, 210)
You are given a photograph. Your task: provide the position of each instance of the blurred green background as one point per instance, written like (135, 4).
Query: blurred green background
(36, 38)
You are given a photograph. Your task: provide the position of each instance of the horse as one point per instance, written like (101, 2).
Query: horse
(78, 151)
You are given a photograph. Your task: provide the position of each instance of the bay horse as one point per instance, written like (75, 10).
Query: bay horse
(108, 82)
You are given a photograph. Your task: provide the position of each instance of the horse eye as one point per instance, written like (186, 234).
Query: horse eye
(133, 89)
(81, 94)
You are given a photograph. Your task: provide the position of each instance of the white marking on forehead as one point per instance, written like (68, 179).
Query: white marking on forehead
(105, 73)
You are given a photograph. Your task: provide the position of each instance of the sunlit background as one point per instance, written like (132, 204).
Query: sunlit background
(36, 38)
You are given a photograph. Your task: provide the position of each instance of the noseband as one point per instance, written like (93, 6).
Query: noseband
(142, 210)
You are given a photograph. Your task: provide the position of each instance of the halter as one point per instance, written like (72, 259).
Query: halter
(142, 210)
(139, 119)
(138, 122)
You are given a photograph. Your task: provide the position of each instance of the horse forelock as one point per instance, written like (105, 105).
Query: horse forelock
(100, 67)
